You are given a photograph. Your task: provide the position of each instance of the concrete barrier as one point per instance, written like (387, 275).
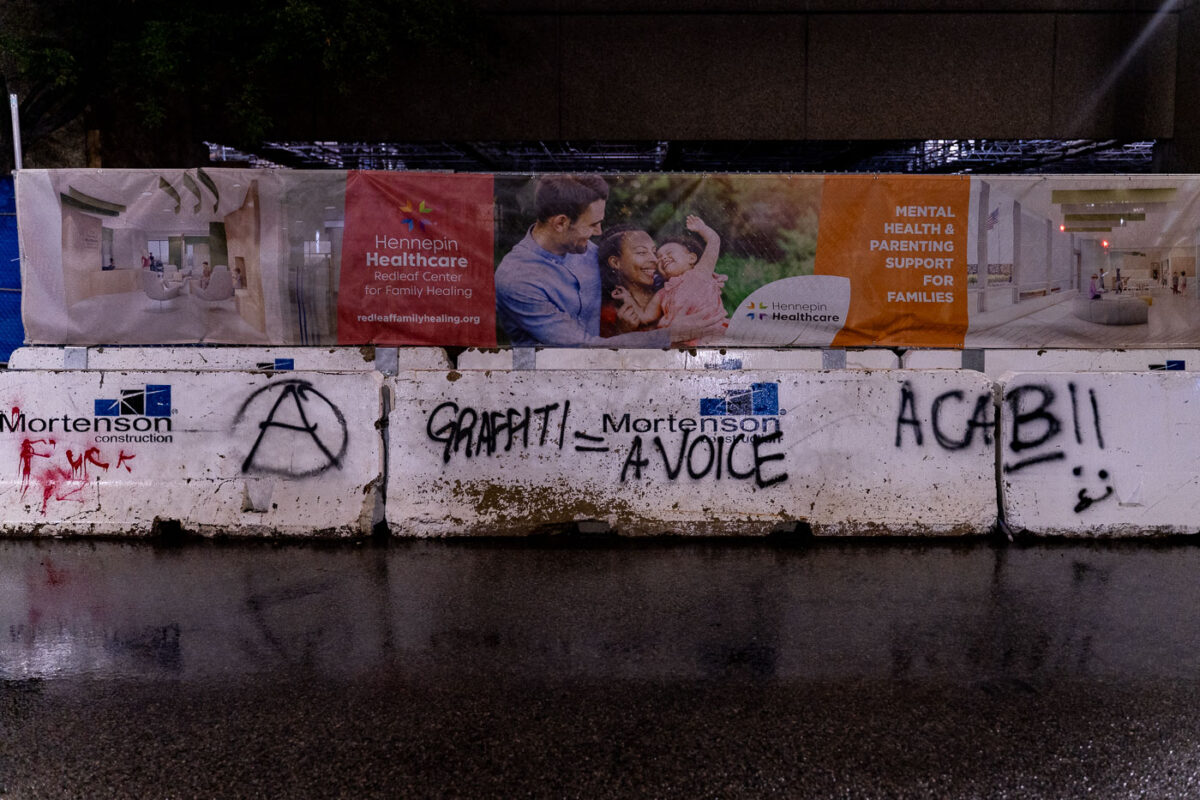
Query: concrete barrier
(932, 359)
(206, 359)
(296, 453)
(693, 359)
(846, 452)
(997, 362)
(1099, 454)
(705, 451)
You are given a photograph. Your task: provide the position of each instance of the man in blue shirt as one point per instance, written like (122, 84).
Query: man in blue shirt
(548, 286)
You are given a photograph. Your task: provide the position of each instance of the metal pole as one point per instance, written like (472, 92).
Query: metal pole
(16, 119)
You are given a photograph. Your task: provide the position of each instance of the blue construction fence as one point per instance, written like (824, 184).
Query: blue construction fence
(12, 332)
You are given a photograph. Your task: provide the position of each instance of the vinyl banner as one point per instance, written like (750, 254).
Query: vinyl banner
(901, 243)
(276, 257)
(180, 256)
(417, 260)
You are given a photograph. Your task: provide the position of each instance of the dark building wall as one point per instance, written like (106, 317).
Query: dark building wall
(697, 69)
(1184, 150)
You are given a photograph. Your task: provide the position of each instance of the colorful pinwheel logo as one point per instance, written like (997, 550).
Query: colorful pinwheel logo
(413, 218)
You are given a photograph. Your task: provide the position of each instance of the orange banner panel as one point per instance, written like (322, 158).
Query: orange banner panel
(902, 242)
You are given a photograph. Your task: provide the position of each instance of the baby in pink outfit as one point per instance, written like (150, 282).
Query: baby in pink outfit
(692, 285)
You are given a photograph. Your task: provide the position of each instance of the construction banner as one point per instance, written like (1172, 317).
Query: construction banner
(276, 257)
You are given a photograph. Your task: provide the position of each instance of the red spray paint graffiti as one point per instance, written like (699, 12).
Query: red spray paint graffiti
(28, 452)
(58, 482)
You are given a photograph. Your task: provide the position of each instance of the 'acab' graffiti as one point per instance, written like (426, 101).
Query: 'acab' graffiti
(1034, 432)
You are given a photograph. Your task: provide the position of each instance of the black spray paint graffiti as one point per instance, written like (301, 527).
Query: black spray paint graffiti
(1086, 502)
(305, 431)
(1038, 426)
(472, 433)
(983, 418)
(708, 456)
(1035, 428)
(1046, 423)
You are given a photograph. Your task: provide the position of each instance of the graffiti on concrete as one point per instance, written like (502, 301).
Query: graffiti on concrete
(301, 432)
(79, 462)
(712, 447)
(709, 457)
(947, 409)
(1037, 423)
(474, 432)
(38, 465)
(1086, 501)
(1046, 427)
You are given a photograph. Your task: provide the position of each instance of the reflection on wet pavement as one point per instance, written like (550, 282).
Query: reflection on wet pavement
(629, 610)
(619, 670)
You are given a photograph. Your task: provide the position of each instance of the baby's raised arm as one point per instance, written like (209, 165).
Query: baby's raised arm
(712, 243)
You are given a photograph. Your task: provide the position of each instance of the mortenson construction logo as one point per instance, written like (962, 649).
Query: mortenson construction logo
(754, 409)
(138, 415)
(760, 400)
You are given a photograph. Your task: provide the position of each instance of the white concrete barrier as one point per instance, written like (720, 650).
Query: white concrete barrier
(932, 359)
(295, 453)
(206, 359)
(694, 451)
(474, 358)
(847, 452)
(696, 358)
(997, 362)
(1100, 454)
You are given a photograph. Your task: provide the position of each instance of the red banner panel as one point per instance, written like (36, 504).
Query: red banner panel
(417, 260)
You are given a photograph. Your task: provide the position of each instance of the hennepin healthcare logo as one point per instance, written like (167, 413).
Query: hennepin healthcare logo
(412, 214)
(137, 415)
(791, 312)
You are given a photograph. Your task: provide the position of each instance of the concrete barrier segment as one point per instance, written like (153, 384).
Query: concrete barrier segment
(998, 362)
(699, 358)
(844, 452)
(237, 359)
(231, 454)
(1099, 454)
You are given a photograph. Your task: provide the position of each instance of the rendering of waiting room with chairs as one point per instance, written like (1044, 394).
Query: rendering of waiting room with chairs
(179, 258)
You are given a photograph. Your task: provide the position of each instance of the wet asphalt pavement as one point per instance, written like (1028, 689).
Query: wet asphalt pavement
(630, 669)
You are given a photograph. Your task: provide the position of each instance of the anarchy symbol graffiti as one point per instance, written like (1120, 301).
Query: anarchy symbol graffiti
(301, 432)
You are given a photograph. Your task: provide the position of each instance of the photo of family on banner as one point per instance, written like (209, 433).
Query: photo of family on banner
(654, 261)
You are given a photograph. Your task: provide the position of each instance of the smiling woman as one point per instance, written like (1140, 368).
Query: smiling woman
(630, 279)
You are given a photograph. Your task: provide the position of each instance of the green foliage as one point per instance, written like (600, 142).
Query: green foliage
(799, 249)
(767, 216)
